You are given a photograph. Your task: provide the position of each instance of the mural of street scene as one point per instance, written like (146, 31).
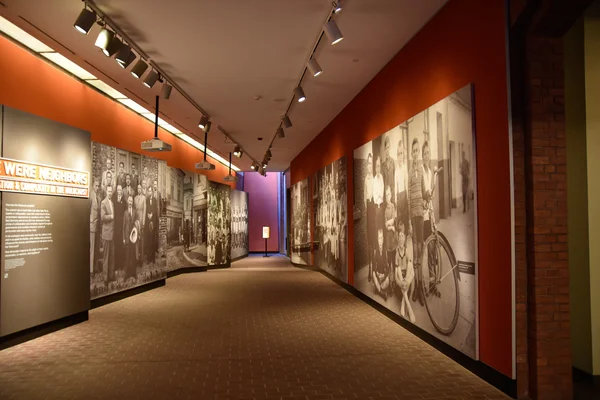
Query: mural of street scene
(300, 230)
(239, 224)
(330, 219)
(126, 220)
(186, 213)
(219, 224)
(415, 221)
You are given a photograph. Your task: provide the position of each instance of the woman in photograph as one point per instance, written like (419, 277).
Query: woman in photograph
(370, 213)
(390, 230)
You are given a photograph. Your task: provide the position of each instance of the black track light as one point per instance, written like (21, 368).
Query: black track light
(166, 91)
(85, 21)
(287, 122)
(208, 125)
(237, 151)
(125, 56)
(268, 154)
(139, 68)
(104, 38)
(151, 79)
(280, 133)
(113, 47)
(203, 122)
(299, 93)
(337, 6)
(314, 67)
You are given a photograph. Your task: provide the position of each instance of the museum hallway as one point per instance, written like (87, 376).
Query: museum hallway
(262, 329)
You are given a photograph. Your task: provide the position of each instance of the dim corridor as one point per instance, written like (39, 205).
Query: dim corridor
(259, 330)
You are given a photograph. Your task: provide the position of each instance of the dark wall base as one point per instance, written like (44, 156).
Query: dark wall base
(41, 330)
(485, 372)
(585, 385)
(189, 270)
(239, 258)
(102, 301)
(218, 266)
(262, 252)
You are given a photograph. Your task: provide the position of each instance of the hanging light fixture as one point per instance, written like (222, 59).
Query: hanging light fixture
(104, 38)
(337, 6)
(333, 32)
(203, 122)
(151, 79)
(125, 56)
(314, 67)
(85, 21)
(166, 90)
(280, 133)
(139, 68)
(287, 122)
(238, 151)
(112, 48)
(299, 93)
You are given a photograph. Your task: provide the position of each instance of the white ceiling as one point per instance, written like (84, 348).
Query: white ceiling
(225, 54)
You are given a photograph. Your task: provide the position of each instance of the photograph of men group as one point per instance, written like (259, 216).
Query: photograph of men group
(126, 206)
(239, 224)
(219, 224)
(300, 210)
(186, 211)
(415, 220)
(330, 202)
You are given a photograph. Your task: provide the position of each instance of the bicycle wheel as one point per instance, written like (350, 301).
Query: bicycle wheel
(439, 282)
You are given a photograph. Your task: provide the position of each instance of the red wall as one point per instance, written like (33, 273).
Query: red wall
(31, 84)
(262, 210)
(464, 42)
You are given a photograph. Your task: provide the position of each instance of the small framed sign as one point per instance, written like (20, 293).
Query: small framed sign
(266, 232)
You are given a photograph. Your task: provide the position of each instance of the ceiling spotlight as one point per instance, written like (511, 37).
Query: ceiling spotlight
(268, 154)
(237, 151)
(208, 125)
(139, 68)
(333, 32)
(300, 94)
(337, 6)
(203, 122)
(104, 38)
(254, 166)
(265, 164)
(125, 56)
(280, 133)
(166, 90)
(314, 67)
(85, 21)
(112, 48)
(151, 79)
(286, 121)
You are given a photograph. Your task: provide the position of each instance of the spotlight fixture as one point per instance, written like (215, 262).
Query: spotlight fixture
(314, 67)
(237, 151)
(85, 21)
(280, 133)
(333, 32)
(287, 122)
(337, 6)
(139, 68)
(104, 38)
(254, 166)
(268, 154)
(166, 90)
(203, 122)
(125, 56)
(112, 48)
(208, 125)
(265, 164)
(299, 93)
(151, 79)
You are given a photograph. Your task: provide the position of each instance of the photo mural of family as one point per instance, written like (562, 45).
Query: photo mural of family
(415, 221)
(239, 224)
(186, 210)
(330, 207)
(219, 224)
(127, 234)
(300, 210)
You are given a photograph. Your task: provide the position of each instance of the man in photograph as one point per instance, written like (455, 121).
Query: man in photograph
(120, 208)
(416, 210)
(121, 175)
(465, 172)
(128, 189)
(381, 271)
(388, 166)
(151, 226)
(95, 201)
(107, 215)
(401, 184)
(159, 210)
(108, 183)
(370, 213)
(135, 178)
(107, 171)
(129, 239)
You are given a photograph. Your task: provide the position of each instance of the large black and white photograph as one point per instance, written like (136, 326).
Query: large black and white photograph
(186, 212)
(415, 221)
(239, 224)
(219, 224)
(300, 217)
(330, 207)
(126, 220)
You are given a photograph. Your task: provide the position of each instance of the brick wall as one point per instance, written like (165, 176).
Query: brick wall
(548, 326)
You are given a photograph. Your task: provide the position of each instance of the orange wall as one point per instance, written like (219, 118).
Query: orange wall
(33, 85)
(464, 42)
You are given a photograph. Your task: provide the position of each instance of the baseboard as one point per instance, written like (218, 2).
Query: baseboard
(485, 372)
(262, 252)
(189, 270)
(102, 301)
(35, 332)
(580, 375)
(222, 266)
(239, 258)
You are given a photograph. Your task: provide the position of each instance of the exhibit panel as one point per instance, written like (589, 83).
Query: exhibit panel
(239, 224)
(300, 217)
(219, 224)
(127, 220)
(415, 222)
(186, 213)
(330, 207)
(44, 179)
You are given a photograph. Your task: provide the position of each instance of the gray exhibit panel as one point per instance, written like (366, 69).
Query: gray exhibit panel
(45, 238)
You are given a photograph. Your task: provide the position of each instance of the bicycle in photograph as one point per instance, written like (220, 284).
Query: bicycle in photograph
(439, 275)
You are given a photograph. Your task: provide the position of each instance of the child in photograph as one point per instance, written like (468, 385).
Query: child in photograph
(404, 273)
(381, 273)
(390, 230)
